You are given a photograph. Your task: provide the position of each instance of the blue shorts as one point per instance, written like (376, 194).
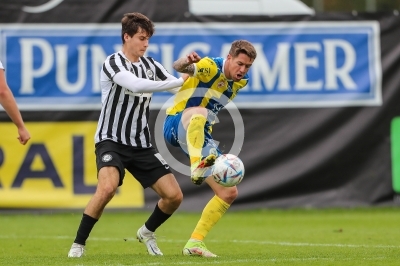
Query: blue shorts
(175, 134)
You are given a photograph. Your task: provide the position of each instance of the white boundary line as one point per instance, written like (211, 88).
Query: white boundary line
(243, 242)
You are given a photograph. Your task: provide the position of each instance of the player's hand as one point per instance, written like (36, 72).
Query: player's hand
(193, 57)
(24, 135)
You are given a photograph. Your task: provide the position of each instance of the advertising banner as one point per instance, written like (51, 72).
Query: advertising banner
(56, 169)
(307, 64)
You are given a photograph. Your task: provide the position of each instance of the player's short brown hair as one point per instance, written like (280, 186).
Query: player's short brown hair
(131, 22)
(243, 47)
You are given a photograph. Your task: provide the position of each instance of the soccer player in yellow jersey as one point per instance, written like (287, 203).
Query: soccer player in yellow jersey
(213, 82)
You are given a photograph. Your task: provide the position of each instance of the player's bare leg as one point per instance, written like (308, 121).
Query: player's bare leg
(170, 198)
(108, 179)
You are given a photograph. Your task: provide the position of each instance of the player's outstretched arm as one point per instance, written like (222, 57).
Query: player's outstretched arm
(129, 81)
(185, 64)
(9, 104)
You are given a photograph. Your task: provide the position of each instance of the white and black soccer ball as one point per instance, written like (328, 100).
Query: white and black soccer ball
(228, 170)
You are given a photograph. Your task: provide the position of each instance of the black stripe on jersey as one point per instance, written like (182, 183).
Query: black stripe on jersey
(104, 115)
(129, 122)
(135, 69)
(146, 131)
(121, 120)
(113, 64)
(159, 72)
(151, 60)
(123, 62)
(118, 90)
(143, 73)
(106, 71)
(139, 123)
(145, 63)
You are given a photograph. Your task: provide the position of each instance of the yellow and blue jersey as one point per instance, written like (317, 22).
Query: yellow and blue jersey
(208, 87)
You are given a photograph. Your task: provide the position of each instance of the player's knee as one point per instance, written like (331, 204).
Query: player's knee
(178, 199)
(175, 199)
(198, 110)
(228, 194)
(106, 191)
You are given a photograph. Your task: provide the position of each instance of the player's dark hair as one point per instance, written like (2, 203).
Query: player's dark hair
(132, 22)
(243, 47)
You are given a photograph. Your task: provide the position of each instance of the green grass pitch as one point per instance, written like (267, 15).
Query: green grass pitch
(362, 236)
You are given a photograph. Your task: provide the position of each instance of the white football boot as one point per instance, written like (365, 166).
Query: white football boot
(150, 242)
(76, 251)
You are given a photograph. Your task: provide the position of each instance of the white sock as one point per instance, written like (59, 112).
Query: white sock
(145, 231)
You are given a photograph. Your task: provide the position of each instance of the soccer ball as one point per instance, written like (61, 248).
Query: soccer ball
(228, 170)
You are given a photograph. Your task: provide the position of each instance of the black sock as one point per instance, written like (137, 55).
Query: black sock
(157, 218)
(86, 226)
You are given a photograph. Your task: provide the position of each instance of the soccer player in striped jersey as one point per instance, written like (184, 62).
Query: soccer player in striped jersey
(122, 138)
(9, 104)
(213, 83)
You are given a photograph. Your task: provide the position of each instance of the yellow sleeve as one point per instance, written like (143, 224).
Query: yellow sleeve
(206, 69)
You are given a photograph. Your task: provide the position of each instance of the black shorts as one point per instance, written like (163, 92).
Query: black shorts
(145, 164)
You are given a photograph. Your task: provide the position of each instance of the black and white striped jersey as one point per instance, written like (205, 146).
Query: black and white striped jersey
(124, 113)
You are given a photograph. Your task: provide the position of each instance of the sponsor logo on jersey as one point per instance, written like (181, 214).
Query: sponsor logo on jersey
(150, 73)
(204, 71)
(106, 158)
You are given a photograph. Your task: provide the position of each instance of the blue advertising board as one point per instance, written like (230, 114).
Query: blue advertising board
(299, 64)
